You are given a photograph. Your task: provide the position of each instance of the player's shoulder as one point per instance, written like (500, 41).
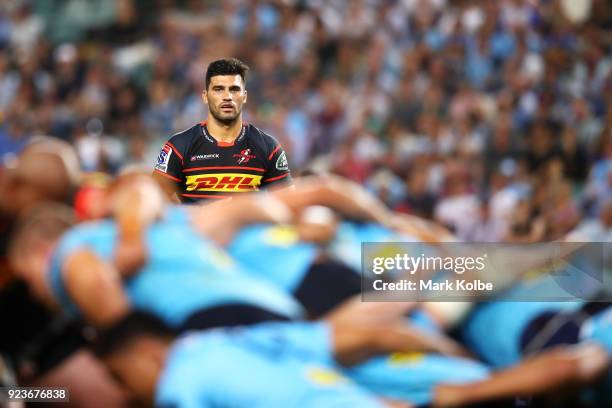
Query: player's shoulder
(182, 140)
(88, 231)
(261, 138)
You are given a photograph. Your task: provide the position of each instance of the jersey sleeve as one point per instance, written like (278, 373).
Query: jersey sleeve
(70, 243)
(170, 162)
(97, 237)
(277, 166)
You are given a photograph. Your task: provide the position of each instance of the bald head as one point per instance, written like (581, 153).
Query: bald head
(47, 170)
(60, 149)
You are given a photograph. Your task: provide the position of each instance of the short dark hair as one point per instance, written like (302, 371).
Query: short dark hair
(136, 324)
(226, 66)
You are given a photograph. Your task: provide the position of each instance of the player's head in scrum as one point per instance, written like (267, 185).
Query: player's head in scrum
(46, 170)
(225, 91)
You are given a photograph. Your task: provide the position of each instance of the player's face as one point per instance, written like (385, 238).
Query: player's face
(225, 96)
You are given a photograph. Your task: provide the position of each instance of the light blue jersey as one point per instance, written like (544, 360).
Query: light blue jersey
(599, 329)
(494, 329)
(291, 365)
(270, 365)
(346, 246)
(185, 273)
(412, 377)
(275, 253)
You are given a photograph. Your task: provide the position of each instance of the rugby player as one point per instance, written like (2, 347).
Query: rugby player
(44, 349)
(202, 286)
(300, 364)
(222, 155)
(516, 330)
(96, 288)
(187, 281)
(267, 365)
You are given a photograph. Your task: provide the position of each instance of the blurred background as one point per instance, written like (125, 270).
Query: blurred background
(493, 117)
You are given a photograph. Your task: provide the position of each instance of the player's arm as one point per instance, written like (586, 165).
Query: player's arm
(356, 343)
(353, 201)
(222, 219)
(95, 287)
(426, 230)
(278, 174)
(169, 187)
(341, 195)
(553, 370)
(357, 327)
(135, 203)
(168, 170)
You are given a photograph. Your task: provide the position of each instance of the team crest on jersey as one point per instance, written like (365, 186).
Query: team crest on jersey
(244, 156)
(281, 162)
(163, 159)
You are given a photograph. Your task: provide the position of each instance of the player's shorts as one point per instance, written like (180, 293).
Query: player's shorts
(327, 284)
(230, 315)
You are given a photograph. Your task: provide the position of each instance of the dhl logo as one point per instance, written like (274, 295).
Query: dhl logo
(223, 182)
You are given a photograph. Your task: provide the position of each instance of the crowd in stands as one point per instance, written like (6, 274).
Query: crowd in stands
(493, 117)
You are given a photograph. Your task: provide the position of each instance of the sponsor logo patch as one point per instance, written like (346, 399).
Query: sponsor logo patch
(281, 162)
(205, 156)
(234, 182)
(163, 159)
(399, 359)
(324, 376)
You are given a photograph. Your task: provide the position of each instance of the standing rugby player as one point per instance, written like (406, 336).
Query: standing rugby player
(222, 155)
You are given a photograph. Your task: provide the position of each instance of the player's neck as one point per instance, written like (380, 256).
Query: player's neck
(221, 132)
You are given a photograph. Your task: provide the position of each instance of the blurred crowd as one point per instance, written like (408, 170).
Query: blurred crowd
(493, 117)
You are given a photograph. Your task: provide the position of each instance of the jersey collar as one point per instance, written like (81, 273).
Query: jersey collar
(212, 140)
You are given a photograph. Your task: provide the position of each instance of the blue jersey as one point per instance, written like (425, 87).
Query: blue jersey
(413, 377)
(184, 273)
(275, 253)
(346, 246)
(599, 329)
(494, 329)
(267, 365)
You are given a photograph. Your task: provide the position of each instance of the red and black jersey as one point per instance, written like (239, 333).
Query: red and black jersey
(204, 168)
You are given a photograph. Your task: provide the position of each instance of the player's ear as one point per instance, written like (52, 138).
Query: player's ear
(205, 97)
(245, 96)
